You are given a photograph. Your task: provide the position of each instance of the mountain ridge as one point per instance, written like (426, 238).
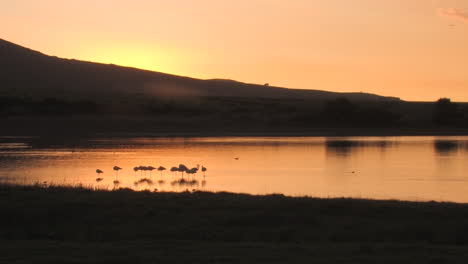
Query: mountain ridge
(27, 72)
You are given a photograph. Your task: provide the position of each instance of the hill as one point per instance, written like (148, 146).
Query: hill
(25, 72)
(46, 95)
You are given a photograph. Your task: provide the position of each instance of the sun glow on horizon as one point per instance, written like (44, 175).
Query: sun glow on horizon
(133, 56)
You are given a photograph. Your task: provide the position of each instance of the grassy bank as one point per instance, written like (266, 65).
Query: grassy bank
(75, 225)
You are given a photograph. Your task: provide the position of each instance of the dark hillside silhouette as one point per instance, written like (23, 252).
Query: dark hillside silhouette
(25, 72)
(43, 95)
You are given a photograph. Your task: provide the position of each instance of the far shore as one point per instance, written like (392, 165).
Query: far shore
(64, 128)
(319, 132)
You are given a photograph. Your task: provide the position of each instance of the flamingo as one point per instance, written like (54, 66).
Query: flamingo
(182, 168)
(192, 171)
(161, 169)
(116, 169)
(98, 171)
(188, 172)
(143, 168)
(135, 169)
(204, 170)
(195, 170)
(174, 169)
(150, 168)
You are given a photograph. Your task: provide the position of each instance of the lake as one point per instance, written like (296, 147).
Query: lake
(407, 168)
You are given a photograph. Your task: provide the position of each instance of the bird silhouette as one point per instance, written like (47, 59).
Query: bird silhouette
(174, 169)
(191, 171)
(116, 169)
(98, 171)
(161, 169)
(143, 169)
(150, 168)
(182, 168)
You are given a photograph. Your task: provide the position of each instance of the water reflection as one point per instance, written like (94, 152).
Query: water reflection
(346, 147)
(413, 168)
(185, 183)
(446, 147)
(143, 181)
(340, 147)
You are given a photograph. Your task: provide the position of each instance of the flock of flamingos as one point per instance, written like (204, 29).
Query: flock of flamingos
(181, 168)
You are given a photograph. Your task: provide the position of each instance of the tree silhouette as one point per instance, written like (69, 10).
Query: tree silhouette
(445, 113)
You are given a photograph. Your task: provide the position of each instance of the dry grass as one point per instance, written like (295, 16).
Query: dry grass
(232, 227)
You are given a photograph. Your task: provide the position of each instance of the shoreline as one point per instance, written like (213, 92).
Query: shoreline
(92, 188)
(321, 132)
(127, 126)
(156, 191)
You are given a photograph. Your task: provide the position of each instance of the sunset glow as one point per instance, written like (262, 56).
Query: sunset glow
(416, 50)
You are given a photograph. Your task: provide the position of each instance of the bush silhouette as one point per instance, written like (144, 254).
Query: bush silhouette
(445, 113)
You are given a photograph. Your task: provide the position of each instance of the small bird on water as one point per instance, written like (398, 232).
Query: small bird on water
(116, 169)
(98, 171)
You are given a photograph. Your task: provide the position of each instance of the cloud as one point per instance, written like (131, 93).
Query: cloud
(453, 13)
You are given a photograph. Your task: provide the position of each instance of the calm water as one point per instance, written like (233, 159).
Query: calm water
(409, 168)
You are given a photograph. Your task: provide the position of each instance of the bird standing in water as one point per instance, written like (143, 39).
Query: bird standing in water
(182, 168)
(116, 169)
(161, 169)
(175, 170)
(98, 171)
(150, 168)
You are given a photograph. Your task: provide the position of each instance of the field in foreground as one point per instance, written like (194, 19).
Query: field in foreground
(76, 225)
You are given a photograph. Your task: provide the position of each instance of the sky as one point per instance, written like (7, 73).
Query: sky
(413, 49)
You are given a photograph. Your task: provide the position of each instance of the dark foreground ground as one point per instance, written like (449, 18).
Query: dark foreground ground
(75, 225)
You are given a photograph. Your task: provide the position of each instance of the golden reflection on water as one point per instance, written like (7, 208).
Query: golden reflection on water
(409, 168)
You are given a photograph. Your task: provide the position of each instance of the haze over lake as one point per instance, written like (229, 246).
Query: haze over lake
(407, 168)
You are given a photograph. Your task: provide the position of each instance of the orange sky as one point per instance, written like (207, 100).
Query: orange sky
(413, 49)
